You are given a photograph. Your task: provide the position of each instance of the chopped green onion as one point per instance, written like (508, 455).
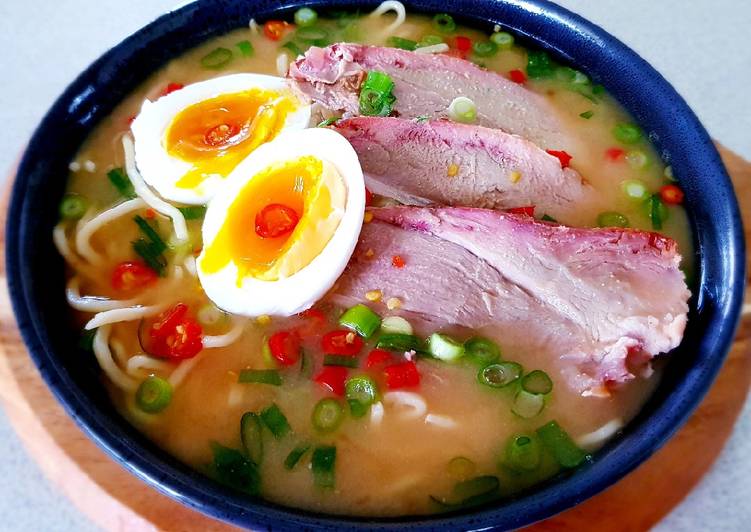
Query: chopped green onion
(292, 47)
(295, 455)
(395, 325)
(362, 320)
(461, 468)
(482, 350)
(260, 376)
(305, 17)
(484, 48)
(399, 342)
(657, 211)
(328, 121)
(86, 340)
(268, 358)
(73, 207)
(399, 42)
(528, 405)
(503, 40)
(340, 360)
(194, 212)
(627, 133)
(565, 73)
(151, 248)
(251, 434)
(422, 118)
(323, 464)
(538, 382)
(548, 218)
(306, 365)
(150, 233)
(216, 59)
(327, 415)
(468, 491)
(444, 347)
(560, 444)
(500, 374)
(245, 47)
(634, 189)
(580, 78)
(598, 89)
(612, 219)
(361, 392)
(275, 421)
(539, 65)
(668, 173)
(444, 23)
(121, 182)
(153, 395)
(523, 453)
(587, 114)
(376, 95)
(313, 35)
(429, 40)
(637, 159)
(462, 109)
(232, 468)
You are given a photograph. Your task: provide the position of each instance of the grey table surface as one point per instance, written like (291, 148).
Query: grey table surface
(701, 46)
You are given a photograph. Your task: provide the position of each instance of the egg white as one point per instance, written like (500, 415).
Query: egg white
(162, 170)
(301, 290)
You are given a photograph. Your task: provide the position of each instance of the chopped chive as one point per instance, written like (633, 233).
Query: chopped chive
(502, 40)
(314, 35)
(538, 382)
(361, 392)
(327, 415)
(461, 468)
(232, 468)
(251, 434)
(323, 464)
(150, 233)
(634, 189)
(340, 360)
(462, 109)
(657, 211)
(560, 444)
(153, 259)
(482, 485)
(73, 207)
(399, 42)
(587, 114)
(612, 219)
(627, 133)
(328, 121)
(154, 395)
(482, 350)
(444, 23)
(295, 455)
(484, 48)
(376, 94)
(399, 342)
(429, 40)
(245, 47)
(637, 159)
(528, 405)
(260, 376)
(194, 212)
(292, 47)
(275, 421)
(216, 59)
(121, 182)
(598, 89)
(362, 320)
(86, 340)
(523, 453)
(306, 365)
(539, 65)
(548, 218)
(500, 374)
(395, 325)
(444, 347)
(305, 17)
(422, 118)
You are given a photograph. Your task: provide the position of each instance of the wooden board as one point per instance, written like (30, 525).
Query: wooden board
(115, 500)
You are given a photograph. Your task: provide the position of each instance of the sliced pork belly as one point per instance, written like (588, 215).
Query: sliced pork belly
(425, 84)
(599, 300)
(418, 163)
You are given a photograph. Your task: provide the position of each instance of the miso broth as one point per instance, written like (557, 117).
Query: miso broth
(399, 457)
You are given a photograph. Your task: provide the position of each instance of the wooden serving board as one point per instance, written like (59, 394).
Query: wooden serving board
(116, 500)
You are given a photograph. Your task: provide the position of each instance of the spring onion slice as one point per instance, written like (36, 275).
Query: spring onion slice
(560, 444)
(275, 421)
(612, 219)
(537, 382)
(462, 109)
(295, 455)
(444, 347)
(657, 211)
(461, 468)
(399, 42)
(627, 133)
(194, 212)
(361, 320)
(260, 376)
(399, 342)
(345, 361)
(315, 35)
(484, 48)
(539, 65)
(323, 465)
(153, 395)
(327, 415)
(376, 94)
(305, 17)
(122, 183)
(523, 453)
(73, 207)
(232, 468)
(634, 189)
(548, 218)
(502, 40)
(246, 48)
(216, 59)
(500, 374)
(429, 40)
(327, 122)
(528, 405)
(293, 47)
(361, 392)
(251, 434)
(587, 114)
(444, 23)
(396, 325)
(482, 350)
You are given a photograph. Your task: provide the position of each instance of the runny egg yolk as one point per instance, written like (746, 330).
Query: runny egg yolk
(280, 221)
(216, 134)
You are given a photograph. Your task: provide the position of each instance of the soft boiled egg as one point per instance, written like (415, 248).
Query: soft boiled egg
(281, 230)
(190, 140)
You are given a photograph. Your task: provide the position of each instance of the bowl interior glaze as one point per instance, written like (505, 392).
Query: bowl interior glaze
(36, 279)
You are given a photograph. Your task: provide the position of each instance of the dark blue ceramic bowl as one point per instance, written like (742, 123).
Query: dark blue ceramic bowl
(36, 280)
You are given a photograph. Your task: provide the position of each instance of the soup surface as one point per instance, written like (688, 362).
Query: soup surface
(421, 438)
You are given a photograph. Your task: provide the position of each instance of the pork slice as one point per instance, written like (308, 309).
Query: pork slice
(418, 163)
(425, 85)
(598, 300)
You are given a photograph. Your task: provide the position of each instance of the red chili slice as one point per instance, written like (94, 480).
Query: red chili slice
(332, 378)
(402, 375)
(314, 322)
(274, 29)
(170, 88)
(285, 347)
(397, 261)
(614, 154)
(463, 44)
(132, 275)
(276, 220)
(175, 335)
(378, 358)
(562, 156)
(517, 76)
(529, 210)
(671, 194)
(341, 342)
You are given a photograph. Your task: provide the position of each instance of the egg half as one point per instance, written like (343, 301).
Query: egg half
(281, 230)
(190, 140)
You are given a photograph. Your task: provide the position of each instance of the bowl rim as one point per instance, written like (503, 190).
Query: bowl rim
(178, 482)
